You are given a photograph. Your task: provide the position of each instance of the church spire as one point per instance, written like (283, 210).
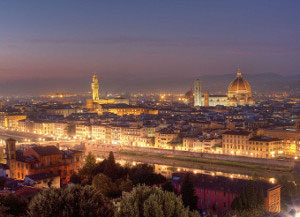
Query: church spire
(239, 74)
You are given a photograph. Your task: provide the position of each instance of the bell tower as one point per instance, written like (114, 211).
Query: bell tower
(95, 87)
(197, 93)
(11, 156)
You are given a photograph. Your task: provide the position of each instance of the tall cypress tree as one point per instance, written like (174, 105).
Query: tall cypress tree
(260, 197)
(189, 197)
(251, 195)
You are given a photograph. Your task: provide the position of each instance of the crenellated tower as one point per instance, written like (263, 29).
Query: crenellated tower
(95, 87)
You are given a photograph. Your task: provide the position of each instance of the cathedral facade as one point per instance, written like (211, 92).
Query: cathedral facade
(239, 93)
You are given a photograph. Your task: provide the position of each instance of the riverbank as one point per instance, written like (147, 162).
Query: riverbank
(202, 161)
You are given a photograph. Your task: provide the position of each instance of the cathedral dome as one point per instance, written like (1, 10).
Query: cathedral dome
(189, 94)
(239, 84)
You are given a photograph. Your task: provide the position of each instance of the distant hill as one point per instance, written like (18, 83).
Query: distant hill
(261, 82)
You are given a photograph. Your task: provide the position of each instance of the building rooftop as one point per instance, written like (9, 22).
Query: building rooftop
(46, 150)
(237, 132)
(222, 183)
(264, 139)
(26, 191)
(41, 176)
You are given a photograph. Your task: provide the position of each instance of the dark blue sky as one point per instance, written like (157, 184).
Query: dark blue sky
(147, 40)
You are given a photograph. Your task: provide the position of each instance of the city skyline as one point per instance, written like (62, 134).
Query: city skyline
(143, 44)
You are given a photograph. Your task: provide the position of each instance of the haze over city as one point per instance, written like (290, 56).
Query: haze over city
(158, 108)
(143, 45)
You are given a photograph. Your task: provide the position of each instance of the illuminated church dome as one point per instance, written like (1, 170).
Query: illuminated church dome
(239, 91)
(239, 84)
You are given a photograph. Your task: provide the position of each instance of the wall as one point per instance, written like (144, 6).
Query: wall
(241, 159)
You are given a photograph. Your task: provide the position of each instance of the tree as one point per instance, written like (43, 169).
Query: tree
(251, 195)
(75, 201)
(12, 205)
(288, 189)
(111, 158)
(70, 130)
(126, 185)
(144, 174)
(250, 202)
(75, 178)
(89, 166)
(110, 168)
(144, 201)
(105, 185)
(167, 186)
(260, 197)
(2, 182)
(188, 192)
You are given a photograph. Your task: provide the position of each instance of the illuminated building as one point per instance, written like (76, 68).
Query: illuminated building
(98, 132)
(141, 136)
(291, 139)
(63, 110)
(243, 143)
(216, 193)
(206, 100)
(197, 93)
(95, 88)
(239, 93)
(124, 109)
(137, 136)
(82, 131)
(165, 137)
(40, 160)
(192, 144)
(93, 104)
(11, 120)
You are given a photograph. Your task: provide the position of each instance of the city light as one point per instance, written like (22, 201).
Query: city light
(140, 100)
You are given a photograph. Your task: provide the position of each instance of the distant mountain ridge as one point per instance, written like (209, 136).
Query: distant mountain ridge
(263, 82)
(260, 82)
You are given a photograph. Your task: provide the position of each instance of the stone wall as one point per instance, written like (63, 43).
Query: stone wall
(222, 157)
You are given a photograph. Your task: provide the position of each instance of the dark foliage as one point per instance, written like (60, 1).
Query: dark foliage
(144, 174)
(189, 197)
(75, 201)
(167, 186)
(12, 205)
(75, 178)
(251, 198)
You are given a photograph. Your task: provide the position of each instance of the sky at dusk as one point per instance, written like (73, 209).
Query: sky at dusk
(145, 41)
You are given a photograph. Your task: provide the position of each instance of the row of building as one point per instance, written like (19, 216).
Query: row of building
(200, 136)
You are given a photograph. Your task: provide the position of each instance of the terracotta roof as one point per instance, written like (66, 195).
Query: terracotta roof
(26, 191)
(221, 183)
(239, 84)
(264, 139)
(41, 176)
(237, 132)
(46, 150)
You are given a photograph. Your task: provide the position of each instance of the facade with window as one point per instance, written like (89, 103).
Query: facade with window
(244, 143)
(215, 194)
(42, 160)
